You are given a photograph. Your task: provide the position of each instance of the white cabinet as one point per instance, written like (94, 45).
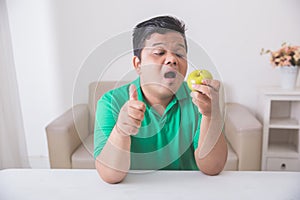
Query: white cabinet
(280, 113)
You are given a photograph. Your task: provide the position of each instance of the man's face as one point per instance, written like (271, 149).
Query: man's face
(163, 64)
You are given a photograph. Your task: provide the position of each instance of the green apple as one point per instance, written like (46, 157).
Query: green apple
(196, 77)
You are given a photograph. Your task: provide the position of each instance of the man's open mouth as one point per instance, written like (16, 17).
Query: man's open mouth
(170, 75)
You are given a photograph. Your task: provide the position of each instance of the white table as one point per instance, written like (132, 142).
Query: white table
(44, 184)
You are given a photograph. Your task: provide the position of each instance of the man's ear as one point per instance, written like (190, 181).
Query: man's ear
(137, 64)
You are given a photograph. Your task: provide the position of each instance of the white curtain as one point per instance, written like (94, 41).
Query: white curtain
(13, 151)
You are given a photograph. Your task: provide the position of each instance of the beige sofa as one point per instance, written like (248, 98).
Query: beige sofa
(70, 136)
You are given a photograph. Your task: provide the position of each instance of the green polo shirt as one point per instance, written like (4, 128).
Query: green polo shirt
(163, 142)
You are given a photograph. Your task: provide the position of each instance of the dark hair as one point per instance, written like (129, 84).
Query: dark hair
(161, 24)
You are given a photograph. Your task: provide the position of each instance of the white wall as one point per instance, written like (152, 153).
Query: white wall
(52, 38)
(34, 53)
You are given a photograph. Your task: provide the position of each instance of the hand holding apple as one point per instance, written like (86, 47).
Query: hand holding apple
(205, 93)
(197, 76)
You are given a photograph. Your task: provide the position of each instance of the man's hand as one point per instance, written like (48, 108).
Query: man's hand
(211, 153)
(206, 97)
(131, 114)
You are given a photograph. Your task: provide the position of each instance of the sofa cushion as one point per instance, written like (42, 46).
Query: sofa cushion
(244, 132)
(83, 157)
(232, 160)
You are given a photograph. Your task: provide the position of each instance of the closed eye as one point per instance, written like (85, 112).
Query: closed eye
(159, 53)
(180, 55)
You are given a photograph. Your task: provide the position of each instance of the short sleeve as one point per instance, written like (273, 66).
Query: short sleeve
(105, 119)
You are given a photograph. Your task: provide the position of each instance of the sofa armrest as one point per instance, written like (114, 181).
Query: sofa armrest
(65, 134)
(244, 133)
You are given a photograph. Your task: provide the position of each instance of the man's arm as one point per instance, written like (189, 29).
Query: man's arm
(113, 162)
(211, 154)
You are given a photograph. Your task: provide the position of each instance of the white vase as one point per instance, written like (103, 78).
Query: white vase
(288, 77)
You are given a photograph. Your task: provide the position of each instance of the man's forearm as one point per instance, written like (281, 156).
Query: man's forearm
(211, 154)
(113, 162)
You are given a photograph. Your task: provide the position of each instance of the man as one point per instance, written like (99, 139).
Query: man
(156, 122)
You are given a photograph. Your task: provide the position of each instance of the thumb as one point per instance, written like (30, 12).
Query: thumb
(132, 92)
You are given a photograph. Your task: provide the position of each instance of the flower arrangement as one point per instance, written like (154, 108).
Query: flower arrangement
(287, 55)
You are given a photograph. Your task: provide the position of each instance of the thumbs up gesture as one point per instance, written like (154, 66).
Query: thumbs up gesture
(131, 114)
(133, 93)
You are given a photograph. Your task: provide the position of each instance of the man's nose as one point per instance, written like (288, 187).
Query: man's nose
(171, 59)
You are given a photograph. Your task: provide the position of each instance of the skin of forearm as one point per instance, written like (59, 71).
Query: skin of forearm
(113, 162)
(211, 154)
